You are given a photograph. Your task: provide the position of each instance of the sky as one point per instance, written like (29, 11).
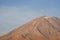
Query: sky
(14, 13)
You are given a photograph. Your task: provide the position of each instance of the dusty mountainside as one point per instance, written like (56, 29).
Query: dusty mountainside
(42, 28)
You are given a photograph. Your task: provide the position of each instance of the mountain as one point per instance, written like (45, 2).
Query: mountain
(41, 28)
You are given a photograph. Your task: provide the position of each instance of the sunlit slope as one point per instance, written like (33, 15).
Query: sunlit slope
(42, 28)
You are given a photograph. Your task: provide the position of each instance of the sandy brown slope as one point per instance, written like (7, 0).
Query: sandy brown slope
(43, 28)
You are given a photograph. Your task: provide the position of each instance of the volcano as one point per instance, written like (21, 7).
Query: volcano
(41, 28)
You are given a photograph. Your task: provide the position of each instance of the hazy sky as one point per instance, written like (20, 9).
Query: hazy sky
(14, 13)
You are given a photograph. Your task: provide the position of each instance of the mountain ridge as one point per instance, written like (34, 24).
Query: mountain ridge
(41, 28)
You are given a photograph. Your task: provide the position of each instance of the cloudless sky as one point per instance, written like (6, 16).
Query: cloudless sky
(14, 13)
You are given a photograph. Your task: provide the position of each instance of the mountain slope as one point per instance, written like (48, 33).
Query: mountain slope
(42, 28)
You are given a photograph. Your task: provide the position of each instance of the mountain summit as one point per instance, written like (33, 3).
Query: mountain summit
(42, 28)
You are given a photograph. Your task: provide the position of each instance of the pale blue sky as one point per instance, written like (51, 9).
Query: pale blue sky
(14, 13)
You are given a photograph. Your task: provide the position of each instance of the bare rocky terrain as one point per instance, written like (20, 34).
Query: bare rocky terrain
(42, 28)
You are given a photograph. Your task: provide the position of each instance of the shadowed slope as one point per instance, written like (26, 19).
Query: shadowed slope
(43, 28)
